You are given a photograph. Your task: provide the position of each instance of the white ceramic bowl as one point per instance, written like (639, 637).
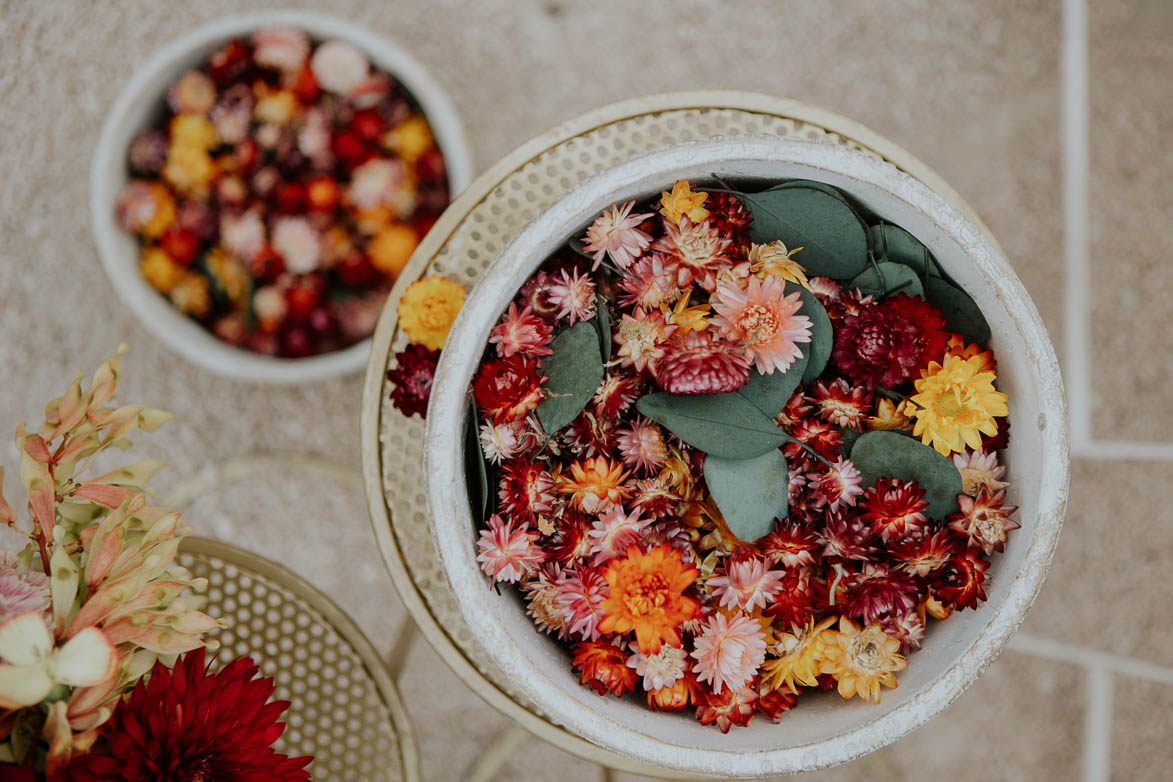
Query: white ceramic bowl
(135, 109)
(824, 730)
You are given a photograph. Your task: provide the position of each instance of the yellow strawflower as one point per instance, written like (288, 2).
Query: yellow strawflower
(428, 308)
(956, 404)
(683, 201)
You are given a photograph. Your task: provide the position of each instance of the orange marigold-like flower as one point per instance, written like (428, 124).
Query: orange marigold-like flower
(428, 308)
(604, 667)
(594, 484)
(682, 200)
(956, 346)
(647, 596)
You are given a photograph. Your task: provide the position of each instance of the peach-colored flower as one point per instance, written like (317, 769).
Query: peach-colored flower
(339, 66)
(745, 584)
(764, 318)
(594, 484)
(614, 532)
(616, 233)
(697, 250)
(641, 338)
(729, 651)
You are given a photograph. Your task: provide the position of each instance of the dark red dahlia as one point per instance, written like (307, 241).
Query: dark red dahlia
(846, 536)
(877, 592)
(186, 725)
(959, 583)
(731, 707)
(773, 703)
(877, 347)
(415, 367)
(508, 388)
(801, 595)
(526, 491)
(824, 438)
(929, 322)
(922, 551)
(700, 362)
(790, 545)
(614, 396)
(841, 404)
(730, 217)
(894, 508)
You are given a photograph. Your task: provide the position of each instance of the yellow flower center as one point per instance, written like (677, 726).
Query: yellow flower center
(866, 654)
(949, 404)
(759, 323)
(646, 595)
(435, 313)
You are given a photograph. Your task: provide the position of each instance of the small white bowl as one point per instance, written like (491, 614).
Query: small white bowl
(133, 112)
(824, 730)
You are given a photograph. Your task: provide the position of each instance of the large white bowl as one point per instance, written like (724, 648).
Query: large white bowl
(135, 109)
(824, 730)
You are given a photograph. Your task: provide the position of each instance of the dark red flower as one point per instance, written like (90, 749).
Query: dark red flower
(1001, 439)
(933, 338)
(731, 707)
(571, 541)
(526, 491)
(790, 545)
(730, 217)
(876, 592)
(796, 409)
(415, 367)
(186, 725)
(589, 435)
(614, 396)
(508, 388)
(877, 347)
(923, 551)
(841, 404)
(894, 508)
(824, 438)
(800, 596)
(773, 703)
(959, 583)
(848, 537)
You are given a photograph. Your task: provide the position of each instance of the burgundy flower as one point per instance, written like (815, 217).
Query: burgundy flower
(729, 216)
(959, 583)
(877, 347)
(700, 362)
(930, 325)
(508, 388)
(922, 551)
(801, 595)
(894, 508)
(415, 367)
(876, 592)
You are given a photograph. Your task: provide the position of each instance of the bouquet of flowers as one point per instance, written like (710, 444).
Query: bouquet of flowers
(102, 667)
(732, 447)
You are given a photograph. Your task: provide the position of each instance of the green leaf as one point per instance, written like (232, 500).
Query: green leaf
(849, 438)
(770, 393)
(475, 471)
(896, 279)
(811, 184)
(831, 234)
(603, 324)
(893, 244)
(890, 455)
(961, 312)
(822, 335)
(724, 425)
(750, 493)
(576, 245)
(574, 372)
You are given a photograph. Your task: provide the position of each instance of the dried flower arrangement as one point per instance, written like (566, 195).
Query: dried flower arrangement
(732, 446)
(282, 191)
(102, 668)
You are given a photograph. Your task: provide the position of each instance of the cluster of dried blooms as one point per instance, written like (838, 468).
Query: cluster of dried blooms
(611, 524)
(97, 601)
(284, 189)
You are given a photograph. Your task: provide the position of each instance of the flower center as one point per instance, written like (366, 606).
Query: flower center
(949, 404)
(435, 314)
(646, 595)
(759, 323)
(988, 528)
(874, 345)
(866, 654)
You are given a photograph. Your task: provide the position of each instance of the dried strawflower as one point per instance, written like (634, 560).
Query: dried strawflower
(614, 533)
(876, 592)
(745, 584)
(984, 520)
(959, 583)
(642, 446)
(729, 651)
(339, 66)
(572, 296)
(641, 338)
(194, 93)
(799, 654)
(702, 363)
(734, 706)
(841, 404)
(283, 48)
(604, 668)
(650, 284)
(979, 469)
(861, 660)
(595, 485)
(683, 201)
(956, 404)
(696, 250)
(526, 490)
(838, 487)
(894, 508)
(775, 260)
(647, 597)
(877, 347)
(509, 388)
(428, 308)
(521, 331)
(411, 379)
(763, 318)
(580, 599)
(508, 552)
(616, 234)
(660, 670)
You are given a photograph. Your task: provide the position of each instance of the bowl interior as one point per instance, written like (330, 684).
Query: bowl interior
(824, 729)
(140, 104)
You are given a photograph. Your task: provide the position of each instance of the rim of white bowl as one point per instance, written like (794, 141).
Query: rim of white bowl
(181, 334)
(454, 532)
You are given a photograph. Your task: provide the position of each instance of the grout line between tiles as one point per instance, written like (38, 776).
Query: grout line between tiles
(1097, 726)
(1090, 658)
(1121, 450)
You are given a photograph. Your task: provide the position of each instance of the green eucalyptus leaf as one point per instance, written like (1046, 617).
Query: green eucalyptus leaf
(893, 244)
(896, 279)
(603, 324)
(960, 311)
(576, 245)
(724, 425)
(818, 350)
(810, 184)
(889, 455)
(475, 470)
(849, 438)
(573, 374)
(770, 393)
(750, 493)
(832, 236)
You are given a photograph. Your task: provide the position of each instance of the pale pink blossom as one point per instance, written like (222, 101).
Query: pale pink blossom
(696, 250)
(642, 445)
(508, 552)
(650, 283)
(500, 442)
(746, 584)
(377, 182)
(839, 486)
(572, 296)
(614, 532)
(521, 331)
(641, 338)
(729, 651)
(298, 244)
(339, 66)
(22, 591)
(243, 235)
(616, 233)
(659, 670)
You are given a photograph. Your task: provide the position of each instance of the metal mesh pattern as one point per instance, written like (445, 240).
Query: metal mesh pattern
(339, 712)
(479, 238)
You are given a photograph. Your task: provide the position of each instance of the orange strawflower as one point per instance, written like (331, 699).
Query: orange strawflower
(604, 667)
(956, 347)
(594, 484)
(683, 200)
(647, 596)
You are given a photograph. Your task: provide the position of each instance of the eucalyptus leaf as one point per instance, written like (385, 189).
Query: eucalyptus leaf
(750, 493)
(811, 184)
(476, 473)
(896, 279)
(832, 236)
(893, 244)
(818, 350)
(724, 425)
(573, 373)
(576, 245)
(849, 438)
(960, 311)
(770, 393)
(890, 455)
(603, 324)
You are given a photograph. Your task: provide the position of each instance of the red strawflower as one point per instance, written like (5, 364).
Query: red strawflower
(824, 438)
(984, 521)
(700, 362)
(959, 583)
(848, 537)
(571, 541)
(923, 551)
(508, 388)
(877, 347)
(790, 545)
(801, 595)
(1001, 439)
(731, 707)
(731, 219)
(589, 435)
(928, 320)
(687, 690)
(654, 496)
(877, 592)
(604, 667)
(534, 296)
(773, 703)
(796, 409)
(186, 724)
(521, 331)
(415, 367)
(841, 404)
(894, 508)
(614, 396)
(526, 490)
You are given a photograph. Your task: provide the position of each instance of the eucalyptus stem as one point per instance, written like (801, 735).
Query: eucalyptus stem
(808, 449)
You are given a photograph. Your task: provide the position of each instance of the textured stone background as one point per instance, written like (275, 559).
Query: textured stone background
(973, 88)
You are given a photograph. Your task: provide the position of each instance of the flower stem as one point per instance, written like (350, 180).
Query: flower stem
(808, 449)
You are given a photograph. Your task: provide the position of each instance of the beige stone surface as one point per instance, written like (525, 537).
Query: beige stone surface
(973, 88)
(1130, 198)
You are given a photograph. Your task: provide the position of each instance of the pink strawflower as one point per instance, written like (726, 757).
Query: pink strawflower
(696, 250)
(614, 396)
(283, 48)
(745, 584)
(908, 629)
(614, 532)
(659, 670)
(762, 317)
(243, 235)
(650, 283)
(572, 296)
(642, 446)
(21, 591)
(580, 598)
(729, 651)
(641, 338)
(978, 469)
(837, 487)
(339, 66)
(700, 362)
(298, 244)
(521, 331)
(616, 233)
(377, 182)
(507, 552)
(501, 442)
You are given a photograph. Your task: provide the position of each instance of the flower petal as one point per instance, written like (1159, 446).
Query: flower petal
(86, 659)
(25, 640)
(23, 685)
